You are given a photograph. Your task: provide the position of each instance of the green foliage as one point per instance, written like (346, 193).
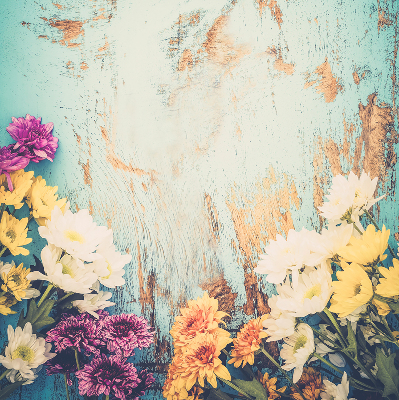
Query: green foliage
(217, 394)
(254, 388)
(37, 316)
(4, 393)
(352, 348)
(387, 373)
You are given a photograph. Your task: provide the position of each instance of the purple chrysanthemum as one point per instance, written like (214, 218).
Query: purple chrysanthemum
(146, 381)
(106, 375)
(34, 139)
(79, 331)
(11, 160)
(63, 363)
(126, 332)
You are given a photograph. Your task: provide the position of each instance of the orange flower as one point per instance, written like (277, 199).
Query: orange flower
(270, 385)
(310, 385)
(201, 360)
(201, 316)
(247, 342)
(170, 391)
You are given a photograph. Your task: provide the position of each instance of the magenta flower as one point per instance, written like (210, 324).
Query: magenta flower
(33, 139)
(63, 363)
(146, 381)
(79, 331)
(106, 375)
(126, 332)
(11, 160)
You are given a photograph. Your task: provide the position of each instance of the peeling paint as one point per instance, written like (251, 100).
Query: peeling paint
(186, 61)
(70, 30)
(274, 9)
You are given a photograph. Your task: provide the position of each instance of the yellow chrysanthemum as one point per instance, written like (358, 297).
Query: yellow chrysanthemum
(310, 384)
(201, 360)
(172, 389)
(21, 182)
(382, 307)
(270, 386)
(247, 342)
(15, 281)
(201, 316)
(353, 289)
(7, 301)
(42, 199)
(13, 234)
(368, 249)
(389, 284)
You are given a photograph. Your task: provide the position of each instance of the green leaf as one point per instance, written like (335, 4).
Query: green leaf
(361, 340)
(352, 348)
(38, 317)
(217, 394)
(5, 392)
(254, 388)
(41, 323)
(387, 373)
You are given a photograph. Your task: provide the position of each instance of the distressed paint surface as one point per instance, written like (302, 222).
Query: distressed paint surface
(199, 130)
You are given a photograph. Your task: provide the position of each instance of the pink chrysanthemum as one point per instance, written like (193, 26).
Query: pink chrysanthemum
(80, 332)
(33, 139)
(126, 332)
(63, 363)
(106, 375)
(146, 381)
(11, 160)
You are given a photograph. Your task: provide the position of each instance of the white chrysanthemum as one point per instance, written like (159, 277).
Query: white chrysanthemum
(325, 246)
(284, 256)
(94, 301)
(30, 292)
(109, 268)
(309, 296)
(25, 351)
(296, 350)
(77, 234)
(349, 198)
(15, 376)
(65, 272)
(279, 324)
(336, 392)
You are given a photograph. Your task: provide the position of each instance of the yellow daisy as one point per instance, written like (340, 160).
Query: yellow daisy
(247, 342)
(6, 301)
(42, 199)
(353, 289)
(15, 281)
(21, 182)
(13, 234)
(270, 385)
(367, 250)
(389, 284)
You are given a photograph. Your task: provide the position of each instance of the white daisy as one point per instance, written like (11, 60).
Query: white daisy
(15, 376)
(109, 268)
(94, 301)
(309, 296)
(349, 198)
(25, 351)
(77, 234)
(296, 350)
(279, 324)
(65, 272)
(336, 392)
(284, 256)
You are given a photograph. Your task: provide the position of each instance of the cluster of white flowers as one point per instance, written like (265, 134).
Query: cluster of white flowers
(79, 256)
(300, 267)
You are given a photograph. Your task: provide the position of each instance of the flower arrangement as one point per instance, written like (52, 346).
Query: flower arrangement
(333, 316)
(66, 330)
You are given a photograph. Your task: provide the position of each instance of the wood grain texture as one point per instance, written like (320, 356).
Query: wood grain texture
(199, 130)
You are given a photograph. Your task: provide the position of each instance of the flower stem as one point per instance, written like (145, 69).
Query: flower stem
(376, 226)
(107, 397)
(4, 374)
(49, 287)
(283, 371)
(228, 383)
(336, 326)
(358, 230)
(77, 358)
(3, 250)
(322, 335)
(64, 297)
(3, 207)
(66, 387)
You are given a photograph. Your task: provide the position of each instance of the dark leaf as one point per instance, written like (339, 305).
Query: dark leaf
(5, 392)
(254, 388)
(387, 373)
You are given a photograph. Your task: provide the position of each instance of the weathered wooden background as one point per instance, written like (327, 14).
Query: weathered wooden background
(197, 130)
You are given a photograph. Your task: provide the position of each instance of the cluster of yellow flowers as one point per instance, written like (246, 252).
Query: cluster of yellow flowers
(41, 200)
(363, 279)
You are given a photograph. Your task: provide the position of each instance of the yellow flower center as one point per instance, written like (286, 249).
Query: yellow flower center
(301, 341)
(74, 236)
(313, 291)
(11, 235)
(110, 271)
(23, 352)
(16, 279)
(67, 270)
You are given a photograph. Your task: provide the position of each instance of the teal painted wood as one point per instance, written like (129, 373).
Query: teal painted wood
(198, 130)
